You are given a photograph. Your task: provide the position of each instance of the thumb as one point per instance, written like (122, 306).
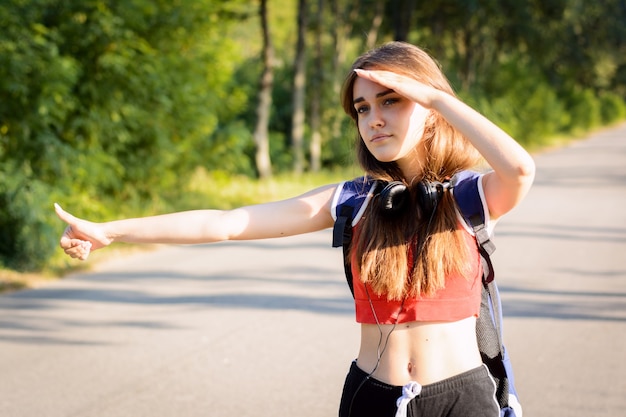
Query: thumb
(64, 215)
(74, 242)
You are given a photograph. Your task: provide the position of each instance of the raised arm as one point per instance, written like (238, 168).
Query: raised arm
(308, 212)
(513, 168)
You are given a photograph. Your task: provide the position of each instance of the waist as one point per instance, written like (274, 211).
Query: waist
(426, 352)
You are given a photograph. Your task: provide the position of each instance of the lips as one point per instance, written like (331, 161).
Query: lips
(379, 137)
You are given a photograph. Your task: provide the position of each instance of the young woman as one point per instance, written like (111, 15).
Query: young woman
(416, 273)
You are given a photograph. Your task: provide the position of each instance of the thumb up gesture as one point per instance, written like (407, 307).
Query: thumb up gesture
(80, 236)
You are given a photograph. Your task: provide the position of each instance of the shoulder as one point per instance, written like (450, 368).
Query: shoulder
(467, 186)
(469, 195)
(352, 196)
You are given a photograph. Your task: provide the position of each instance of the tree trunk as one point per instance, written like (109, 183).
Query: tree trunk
(316, 97)
(372, 34)
(299, 85)
(341, 30)
(261, 132)
(403, 12)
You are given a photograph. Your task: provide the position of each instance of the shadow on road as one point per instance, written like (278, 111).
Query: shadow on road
(563, 305)
(578, 232)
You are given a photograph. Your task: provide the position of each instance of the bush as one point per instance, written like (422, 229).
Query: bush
(522, 102)
(612, 108)
(27, 235)
(584, 109)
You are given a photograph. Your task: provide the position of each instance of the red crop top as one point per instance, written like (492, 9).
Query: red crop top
(458, 300)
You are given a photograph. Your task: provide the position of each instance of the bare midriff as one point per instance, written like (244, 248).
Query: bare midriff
(425, 352)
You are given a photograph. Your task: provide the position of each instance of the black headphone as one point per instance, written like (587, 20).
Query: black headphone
(393, 196)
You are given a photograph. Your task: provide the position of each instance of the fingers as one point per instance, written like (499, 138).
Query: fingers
(78, 249)
(416, 91)
(385, 78)
(74, 247)
(399, 83)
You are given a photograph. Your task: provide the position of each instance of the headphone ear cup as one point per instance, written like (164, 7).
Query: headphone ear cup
(393, 197)
(428, 196)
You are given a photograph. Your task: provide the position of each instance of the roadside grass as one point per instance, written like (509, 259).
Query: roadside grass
(223, 191)
(13, 281)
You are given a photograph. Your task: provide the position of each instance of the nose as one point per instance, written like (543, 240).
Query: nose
(376, 119)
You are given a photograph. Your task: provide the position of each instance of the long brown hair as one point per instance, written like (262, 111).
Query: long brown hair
(385, 247)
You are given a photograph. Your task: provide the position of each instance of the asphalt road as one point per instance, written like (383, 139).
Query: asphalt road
(266, 328)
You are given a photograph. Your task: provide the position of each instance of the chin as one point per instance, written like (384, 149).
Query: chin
(386, 158)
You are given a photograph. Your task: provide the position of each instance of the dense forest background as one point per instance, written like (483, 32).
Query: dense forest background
(116, 106)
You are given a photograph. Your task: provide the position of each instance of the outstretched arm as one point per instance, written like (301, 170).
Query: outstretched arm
(513, 168)
(306, 213)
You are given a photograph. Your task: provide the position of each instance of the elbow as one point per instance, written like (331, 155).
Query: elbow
(506, 190)
(526, 171)
(215, 226)
(232, 225)
(524, 178)
(519, 181)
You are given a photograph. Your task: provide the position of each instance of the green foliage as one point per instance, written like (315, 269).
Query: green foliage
(109, 99)
(27, 238)
(522, 102)
(612, 108)
(584, 108)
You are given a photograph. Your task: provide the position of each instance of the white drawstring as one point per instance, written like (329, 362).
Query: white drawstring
(409, 391)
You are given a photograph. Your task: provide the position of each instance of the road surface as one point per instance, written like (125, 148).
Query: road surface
(267, 328)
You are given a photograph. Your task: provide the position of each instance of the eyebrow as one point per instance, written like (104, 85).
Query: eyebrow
(381, 94)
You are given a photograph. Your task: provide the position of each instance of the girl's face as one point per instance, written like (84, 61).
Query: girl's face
(390, 125)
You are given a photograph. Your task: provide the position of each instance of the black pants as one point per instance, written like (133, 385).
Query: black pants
(470, 394)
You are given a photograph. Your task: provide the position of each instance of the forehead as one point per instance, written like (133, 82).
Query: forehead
(364, 89)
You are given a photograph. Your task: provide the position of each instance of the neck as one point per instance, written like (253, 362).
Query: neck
(412, 166)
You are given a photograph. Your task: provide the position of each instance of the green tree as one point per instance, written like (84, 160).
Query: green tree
(109, 98)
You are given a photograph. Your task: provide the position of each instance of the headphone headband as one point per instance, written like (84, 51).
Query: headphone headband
(393, 196)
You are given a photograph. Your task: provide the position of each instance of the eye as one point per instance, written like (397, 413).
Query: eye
(362, 109)
(390, 101)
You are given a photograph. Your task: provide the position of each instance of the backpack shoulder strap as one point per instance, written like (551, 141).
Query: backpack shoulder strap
(467, 189)
(468, 194)
(349, 203)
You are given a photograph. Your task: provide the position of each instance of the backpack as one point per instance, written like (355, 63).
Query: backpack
(351, 200)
